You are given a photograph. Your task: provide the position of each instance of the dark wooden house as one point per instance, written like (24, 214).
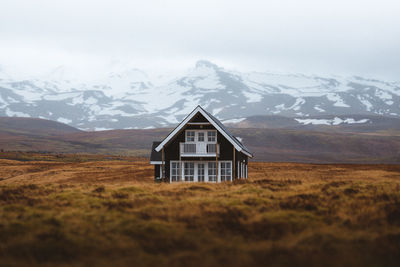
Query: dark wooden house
(199, 149)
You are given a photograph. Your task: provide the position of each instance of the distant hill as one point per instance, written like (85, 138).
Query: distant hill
(294, 145)
(34, 126)
(320, 147)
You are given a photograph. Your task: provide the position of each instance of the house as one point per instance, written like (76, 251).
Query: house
(199, 149)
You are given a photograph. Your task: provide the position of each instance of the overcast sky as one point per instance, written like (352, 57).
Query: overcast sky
(345, 37)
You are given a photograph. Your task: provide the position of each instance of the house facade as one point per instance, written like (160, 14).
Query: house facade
(199, 149)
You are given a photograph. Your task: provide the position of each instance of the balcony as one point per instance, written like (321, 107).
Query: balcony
(199, 150)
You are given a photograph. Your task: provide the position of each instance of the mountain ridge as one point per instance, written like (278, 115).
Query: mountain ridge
(129, 98)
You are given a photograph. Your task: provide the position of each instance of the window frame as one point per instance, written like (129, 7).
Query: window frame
(215, 136)
(187, 135)
(191, 175)
(212, 169)
(226, 171)
(203, 135)
(175, 177)
(198, 172)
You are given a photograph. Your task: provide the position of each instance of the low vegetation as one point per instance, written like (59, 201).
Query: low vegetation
(109, 212)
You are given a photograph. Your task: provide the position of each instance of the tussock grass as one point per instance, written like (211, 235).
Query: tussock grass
(284, 215)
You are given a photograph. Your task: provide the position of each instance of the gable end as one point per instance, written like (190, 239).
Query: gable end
(215, 122)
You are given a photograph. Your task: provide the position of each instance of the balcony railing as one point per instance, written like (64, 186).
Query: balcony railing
(199, 149)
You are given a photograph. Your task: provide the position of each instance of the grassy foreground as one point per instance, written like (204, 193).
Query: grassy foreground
(105, 213)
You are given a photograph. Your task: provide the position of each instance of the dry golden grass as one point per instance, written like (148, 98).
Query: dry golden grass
(104, 213)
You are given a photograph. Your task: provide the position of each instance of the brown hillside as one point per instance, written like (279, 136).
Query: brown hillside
(34, 126)
(277, 145)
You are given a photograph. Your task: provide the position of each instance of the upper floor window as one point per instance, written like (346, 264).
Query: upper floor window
(190, 136)
(211, 136)
(200, 136)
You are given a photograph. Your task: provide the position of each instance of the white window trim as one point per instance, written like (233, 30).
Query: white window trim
(196, 136)
(194, 170)
(205, 162)
(216, 177)
(216, 137)
(170, 171)
(197, 171)
(230, 164)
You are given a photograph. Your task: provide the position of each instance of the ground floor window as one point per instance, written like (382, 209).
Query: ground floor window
(226, 174)
(200, 172)
(175, 171)
(189, 171)
(212, 171)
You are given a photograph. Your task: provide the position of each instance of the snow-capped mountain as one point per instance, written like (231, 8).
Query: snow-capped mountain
(129, 98)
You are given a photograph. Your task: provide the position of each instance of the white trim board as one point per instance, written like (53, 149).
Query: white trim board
(196, 173)
(187, 119)
(156, 162)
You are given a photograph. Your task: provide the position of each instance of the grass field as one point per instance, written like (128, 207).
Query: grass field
(101, 211)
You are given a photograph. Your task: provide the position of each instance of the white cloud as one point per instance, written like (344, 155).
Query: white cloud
(344, 37)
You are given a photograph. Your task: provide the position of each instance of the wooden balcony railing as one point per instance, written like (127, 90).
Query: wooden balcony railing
(199, 149)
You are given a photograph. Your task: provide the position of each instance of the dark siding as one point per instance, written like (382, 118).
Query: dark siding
(226, 148)
(155, 156)
(156, 171)
(199, 118)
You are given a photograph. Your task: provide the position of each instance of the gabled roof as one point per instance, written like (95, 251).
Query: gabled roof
(215, 122)
(230, 135)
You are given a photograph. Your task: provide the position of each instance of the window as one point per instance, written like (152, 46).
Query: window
(200, 136)
(200, 172)
(212, 172)
(189, 171)
(175, 175)
(190, 136)
(226, 174)
(212, 136)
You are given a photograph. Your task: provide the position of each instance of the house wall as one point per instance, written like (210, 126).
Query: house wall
(240, 158)
(171, 150)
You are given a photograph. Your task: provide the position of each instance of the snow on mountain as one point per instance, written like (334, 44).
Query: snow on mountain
(131, 98)
(334, 121)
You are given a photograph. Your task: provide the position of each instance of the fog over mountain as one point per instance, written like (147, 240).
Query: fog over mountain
(131, 98)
